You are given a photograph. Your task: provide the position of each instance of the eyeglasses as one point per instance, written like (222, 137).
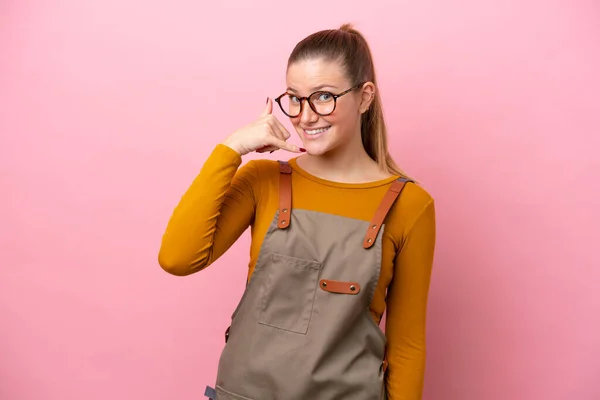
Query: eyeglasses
(321, 102)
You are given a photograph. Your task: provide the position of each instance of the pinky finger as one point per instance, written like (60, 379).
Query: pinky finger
(266, 149)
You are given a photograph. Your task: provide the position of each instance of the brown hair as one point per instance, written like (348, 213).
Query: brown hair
(350, 48)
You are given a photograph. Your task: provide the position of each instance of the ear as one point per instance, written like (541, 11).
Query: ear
(367, 96)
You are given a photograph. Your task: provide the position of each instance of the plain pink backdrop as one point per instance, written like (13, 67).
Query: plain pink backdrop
(109, 108)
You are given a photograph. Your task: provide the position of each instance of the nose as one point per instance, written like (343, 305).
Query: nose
(308, 115)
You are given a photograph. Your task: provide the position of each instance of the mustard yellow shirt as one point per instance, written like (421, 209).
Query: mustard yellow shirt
(225, 199)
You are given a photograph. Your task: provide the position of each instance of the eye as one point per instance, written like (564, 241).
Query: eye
(293, 99)
(325, 96)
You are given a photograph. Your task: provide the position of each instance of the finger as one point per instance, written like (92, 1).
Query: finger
(273, 131)
(265, 149)
(286, 134)
(276, 130)
(283, 145)
(268, 108)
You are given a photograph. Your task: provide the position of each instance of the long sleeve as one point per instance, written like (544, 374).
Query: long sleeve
(406, 309)
(211, 215)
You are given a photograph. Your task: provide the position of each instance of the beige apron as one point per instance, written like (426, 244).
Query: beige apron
(302, 329)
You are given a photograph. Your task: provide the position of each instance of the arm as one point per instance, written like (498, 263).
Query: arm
(406, 309)
(216, 209)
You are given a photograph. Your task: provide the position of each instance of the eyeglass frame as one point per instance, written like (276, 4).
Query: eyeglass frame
(310, 104)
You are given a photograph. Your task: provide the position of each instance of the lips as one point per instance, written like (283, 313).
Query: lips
(314, 133)
(316, 130)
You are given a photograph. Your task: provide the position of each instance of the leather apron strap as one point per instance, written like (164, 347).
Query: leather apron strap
(373, 230)
(285, 195)
(382, 211)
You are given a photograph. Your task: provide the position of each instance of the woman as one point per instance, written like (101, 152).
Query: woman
(339, 235)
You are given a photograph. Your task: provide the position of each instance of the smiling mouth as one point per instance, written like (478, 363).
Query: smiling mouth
(312, 132)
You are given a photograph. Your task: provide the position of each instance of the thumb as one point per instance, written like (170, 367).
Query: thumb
(268, 108)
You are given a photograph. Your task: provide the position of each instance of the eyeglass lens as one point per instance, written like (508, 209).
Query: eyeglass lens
(322, 102)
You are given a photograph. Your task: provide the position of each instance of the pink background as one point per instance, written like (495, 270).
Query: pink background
(109, 108)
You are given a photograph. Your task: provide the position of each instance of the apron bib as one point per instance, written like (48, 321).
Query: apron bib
(302, 329)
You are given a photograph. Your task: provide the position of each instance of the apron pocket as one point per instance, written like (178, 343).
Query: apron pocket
(288, 293)
(223, 394)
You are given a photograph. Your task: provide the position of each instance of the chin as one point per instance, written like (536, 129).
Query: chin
(318, 146)
(316, 149)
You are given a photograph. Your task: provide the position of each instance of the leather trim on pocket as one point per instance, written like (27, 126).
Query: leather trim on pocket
(340, 287)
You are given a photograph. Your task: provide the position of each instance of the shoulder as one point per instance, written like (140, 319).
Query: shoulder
(414, 204)
(414, 198)
(260, 175)
(263, 168)
(259, 167)
(266, 169)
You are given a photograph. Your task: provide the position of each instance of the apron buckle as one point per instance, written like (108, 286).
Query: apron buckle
(210, 393)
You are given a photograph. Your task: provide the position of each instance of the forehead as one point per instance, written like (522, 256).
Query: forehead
(314, 74)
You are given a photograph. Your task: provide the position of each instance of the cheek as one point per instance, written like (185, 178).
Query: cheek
(342, 120)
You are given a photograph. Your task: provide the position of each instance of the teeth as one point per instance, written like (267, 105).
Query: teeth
(315, 131)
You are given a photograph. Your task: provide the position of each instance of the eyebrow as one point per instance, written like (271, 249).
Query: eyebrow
(314, 89)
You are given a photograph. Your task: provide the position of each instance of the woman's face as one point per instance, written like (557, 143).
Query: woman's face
(322, 134)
